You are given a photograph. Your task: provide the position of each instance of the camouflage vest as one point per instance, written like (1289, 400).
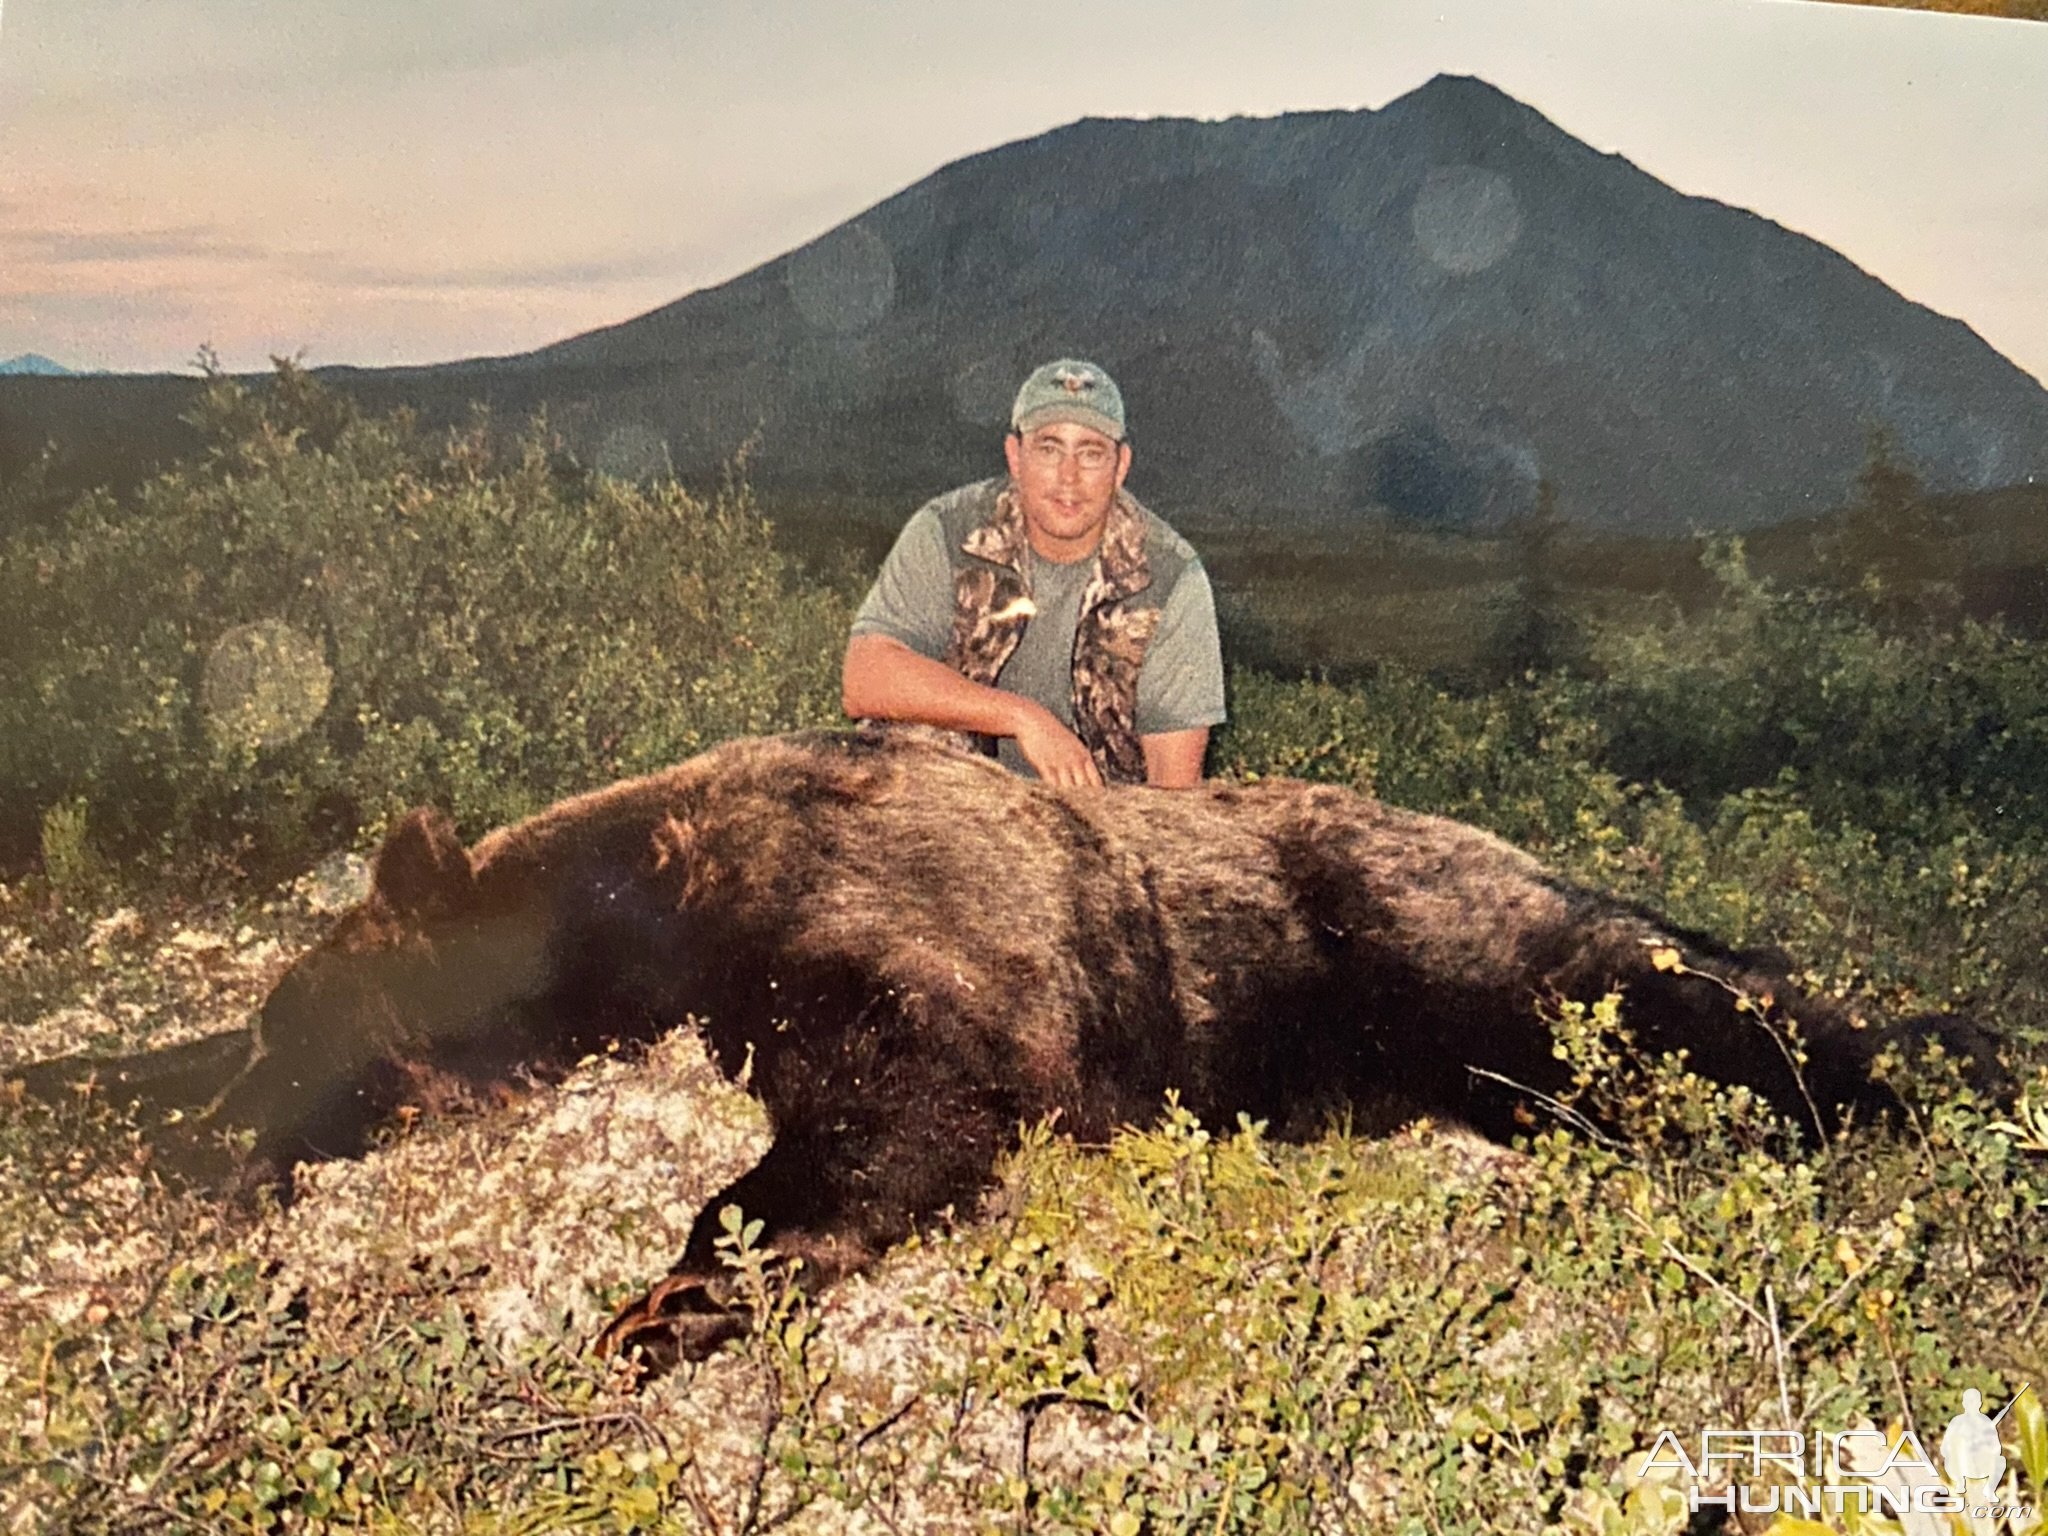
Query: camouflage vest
(990, 546)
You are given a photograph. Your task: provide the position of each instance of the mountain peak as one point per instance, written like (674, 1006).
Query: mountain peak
(35, 363)
(1463, 88)
(1426, 311)
(1468, 103)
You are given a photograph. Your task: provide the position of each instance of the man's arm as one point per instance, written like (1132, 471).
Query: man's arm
(884, 679)
(1180, 690)
(1173, 759)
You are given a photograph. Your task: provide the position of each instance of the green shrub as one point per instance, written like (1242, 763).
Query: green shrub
(1192, 1329)
(330, 617)
(1778, 771)
(1911, 733)
(69, 863)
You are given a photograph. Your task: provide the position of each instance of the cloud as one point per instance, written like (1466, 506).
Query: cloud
(635, 267)
(38, 253)
(120, 51)
(74, 247)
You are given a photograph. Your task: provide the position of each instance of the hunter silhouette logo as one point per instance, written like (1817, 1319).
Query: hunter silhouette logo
(1970, 1452)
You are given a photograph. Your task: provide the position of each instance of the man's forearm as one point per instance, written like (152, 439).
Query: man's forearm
(1173, 759)
(885, 679)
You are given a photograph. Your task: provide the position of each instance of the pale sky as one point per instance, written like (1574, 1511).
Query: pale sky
(385, 181)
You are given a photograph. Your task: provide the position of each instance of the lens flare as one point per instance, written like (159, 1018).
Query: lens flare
(1466, 218)
(844, 282)
(264, 685)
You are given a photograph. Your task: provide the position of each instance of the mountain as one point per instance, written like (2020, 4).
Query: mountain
(1425, 309)
(34, 363)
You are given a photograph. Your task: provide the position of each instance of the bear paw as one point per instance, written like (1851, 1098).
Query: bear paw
(680, 1319)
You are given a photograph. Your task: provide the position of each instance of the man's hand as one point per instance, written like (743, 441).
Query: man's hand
(886, 679)
(1055, 753)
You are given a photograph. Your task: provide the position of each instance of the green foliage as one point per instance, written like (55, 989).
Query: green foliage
(30, 492)
(1518, 760)
(1895, 547)
(332, 617)
(1915, 731)
(69, 863)
(233, 1403)
(1749, 1286)
(1870, 799)
(1274, 1322)
(1535, 630)
(1190, 1330)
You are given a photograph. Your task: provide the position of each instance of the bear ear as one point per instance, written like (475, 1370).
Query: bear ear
(423, 870)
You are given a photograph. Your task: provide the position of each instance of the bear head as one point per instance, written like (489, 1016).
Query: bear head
(412, 995)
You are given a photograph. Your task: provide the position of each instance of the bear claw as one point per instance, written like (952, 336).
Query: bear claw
(679, 1319)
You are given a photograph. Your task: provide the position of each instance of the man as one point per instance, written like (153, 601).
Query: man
(1048, 612)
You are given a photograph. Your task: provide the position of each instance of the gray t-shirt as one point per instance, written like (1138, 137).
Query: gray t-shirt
(1180, 685)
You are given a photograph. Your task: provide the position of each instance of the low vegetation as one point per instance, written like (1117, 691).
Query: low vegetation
(329, 619)
(220, 687)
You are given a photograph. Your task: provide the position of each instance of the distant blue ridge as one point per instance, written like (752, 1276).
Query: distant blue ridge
(36, 363)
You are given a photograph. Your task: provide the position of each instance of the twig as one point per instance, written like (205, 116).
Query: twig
(1690, 1267)
(1778, 1357)
(108, 1485)
(1223, 1503)
(1563, 1111)
(1768, 1321)
(691, 1483)
(570, 1421)
(1820, 1130)
(1930, 1163)
(493, 1453)
(1746, 1004)
(1825, 1307)
(1032, 1410)
(771, 1416)
(2034, 1311)
(782, 1517)
(861, 1442)
(257, 1051)
(962, 1406)
(1898, 1381)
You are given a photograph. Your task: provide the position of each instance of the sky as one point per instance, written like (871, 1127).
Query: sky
(391, 181)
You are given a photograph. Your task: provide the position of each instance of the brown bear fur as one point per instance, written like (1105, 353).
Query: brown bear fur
(909, 952)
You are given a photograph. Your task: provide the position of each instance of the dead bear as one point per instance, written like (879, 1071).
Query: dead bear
(911, 952)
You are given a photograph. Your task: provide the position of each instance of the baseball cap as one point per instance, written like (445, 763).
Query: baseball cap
(1069, 389)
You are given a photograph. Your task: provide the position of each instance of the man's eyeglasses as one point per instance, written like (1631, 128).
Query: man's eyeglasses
(1051, 453)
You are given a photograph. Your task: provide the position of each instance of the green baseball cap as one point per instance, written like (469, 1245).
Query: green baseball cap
(1069, 389)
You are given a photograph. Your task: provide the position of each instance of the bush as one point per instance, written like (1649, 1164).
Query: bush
(1912, 733)
(67, 856)
(331, 617)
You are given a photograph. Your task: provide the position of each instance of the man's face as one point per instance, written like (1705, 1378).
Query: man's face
(1067, 476)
